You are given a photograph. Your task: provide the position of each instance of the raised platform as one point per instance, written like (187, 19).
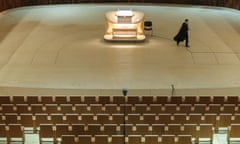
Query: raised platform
(62, 47)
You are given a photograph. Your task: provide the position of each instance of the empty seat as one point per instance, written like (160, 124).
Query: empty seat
(81, 108)
(11, 118)
(101, 139)
(8, 108)
(164, 118)
(5, 100)
(57, 118)
(141, 108)
(147, 100)
(110, 129)
(62, 129)
(219, 99)
(232, 99)
(190, 100)
(179, 118)
(200, 108)
(33, 100)
(185, 108)
(112, 108)
(155, 108)
(170, 108)
(223, 120)
(184, 139)
(133, 118)
(117, 119)
(118, 139)
(66, 108)
(205, 133)
(46, 133)
(177, 100)
(234, 133)
(3, 133)
(19, 99)
(157, 129)
(68, 139)
(76, 100)
(214, 108)
(47, 99)
(167, 139)
(93, 129)
(85, 139)
(209, 118)
(102, 118)
(162, 99)
(190, 129)
(148, 26)
(41, 118)
(149, 118)
(38, 108)
(27, 120)
(78, 129)
(134, 99)
(142, 129)
(62, 100)
(73, 118)
(52, 108)
(236, 118)
(173, 129)
(16, 133)
(205, 99)
(151, 139)
(87, 118)
(194, 118)
(229, 108)
(127, 129)
(90, 100)
(134, 139)
(23, 108)
(104, 100)
(96, 108)
(119, 100)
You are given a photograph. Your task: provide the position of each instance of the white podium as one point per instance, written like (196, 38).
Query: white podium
(124, 25)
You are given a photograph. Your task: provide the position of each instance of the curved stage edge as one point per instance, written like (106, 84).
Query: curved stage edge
(65, 51)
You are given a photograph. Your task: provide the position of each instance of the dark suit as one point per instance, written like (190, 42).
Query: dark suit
(182, 34)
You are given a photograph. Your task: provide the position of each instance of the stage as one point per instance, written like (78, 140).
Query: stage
(60, 49)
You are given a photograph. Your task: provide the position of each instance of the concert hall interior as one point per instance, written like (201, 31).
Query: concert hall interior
(69, 74)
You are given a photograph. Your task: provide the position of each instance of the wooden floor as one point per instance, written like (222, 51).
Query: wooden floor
(60, 49)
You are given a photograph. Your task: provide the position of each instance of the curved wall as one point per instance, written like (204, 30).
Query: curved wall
(8, 4)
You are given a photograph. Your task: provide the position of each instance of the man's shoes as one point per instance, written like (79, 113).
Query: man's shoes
(177, 43)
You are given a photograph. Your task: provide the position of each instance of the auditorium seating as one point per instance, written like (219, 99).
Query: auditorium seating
(162, 119)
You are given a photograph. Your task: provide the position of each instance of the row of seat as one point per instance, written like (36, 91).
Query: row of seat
(201, 132)
(14, 132)
(56, 131)
(29, 120)
(119, 99)
(121, 139)
(122, 108)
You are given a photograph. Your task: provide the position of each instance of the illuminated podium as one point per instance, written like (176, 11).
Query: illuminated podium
(124, 25)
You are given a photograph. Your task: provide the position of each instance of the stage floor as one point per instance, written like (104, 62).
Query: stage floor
(62, 47)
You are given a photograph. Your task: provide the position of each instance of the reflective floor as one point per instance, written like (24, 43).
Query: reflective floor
(61, 47)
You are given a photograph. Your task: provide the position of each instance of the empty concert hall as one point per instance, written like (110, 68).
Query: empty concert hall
(119, 71)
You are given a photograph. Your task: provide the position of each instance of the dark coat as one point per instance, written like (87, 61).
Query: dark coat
(183, 33)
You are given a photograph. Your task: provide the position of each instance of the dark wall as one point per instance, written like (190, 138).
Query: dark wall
(7, 4)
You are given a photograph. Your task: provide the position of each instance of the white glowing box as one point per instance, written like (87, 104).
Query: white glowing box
(124, 25)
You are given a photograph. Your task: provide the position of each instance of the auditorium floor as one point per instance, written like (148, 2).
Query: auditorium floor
(60, 49)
